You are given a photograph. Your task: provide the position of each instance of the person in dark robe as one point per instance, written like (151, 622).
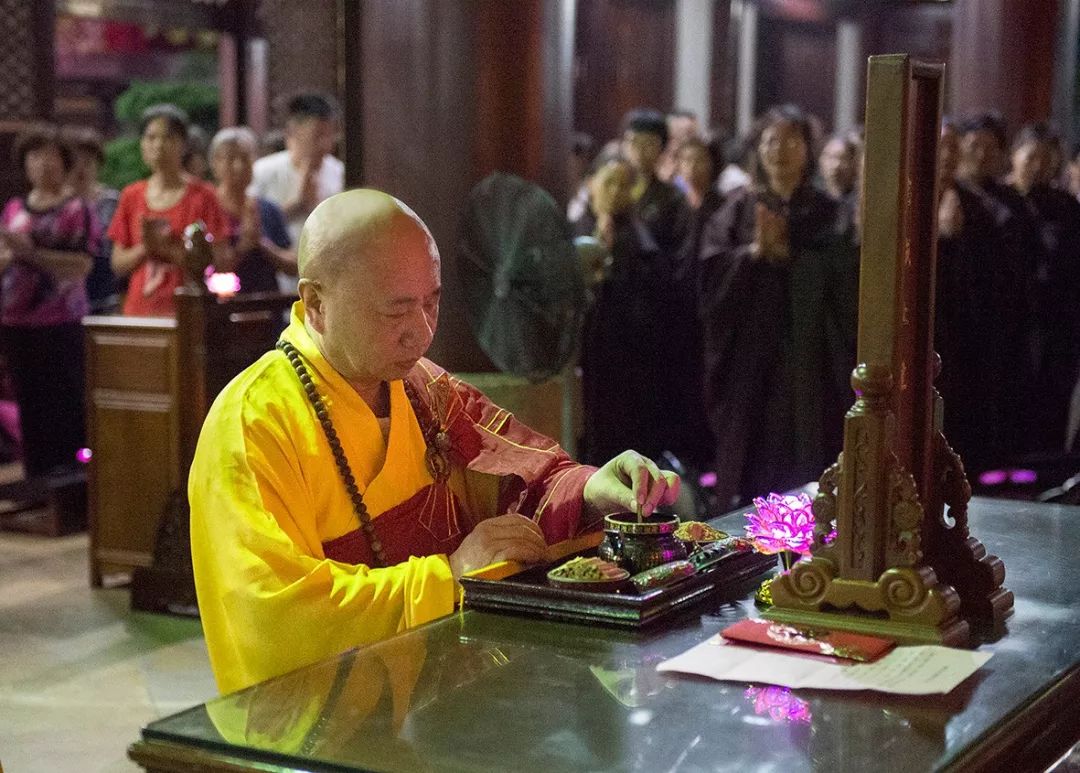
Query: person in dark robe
(1002, 285)
(623, 343)
(966, 231)
(658, 205)
(778, 293)
(697, 165)
(839, 164)
(1036, 155)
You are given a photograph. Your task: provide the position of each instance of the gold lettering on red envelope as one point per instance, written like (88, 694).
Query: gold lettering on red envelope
(837, 644)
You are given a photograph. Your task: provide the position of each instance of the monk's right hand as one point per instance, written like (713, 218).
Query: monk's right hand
(504, 538)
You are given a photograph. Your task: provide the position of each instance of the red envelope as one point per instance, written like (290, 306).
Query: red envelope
(836, 644)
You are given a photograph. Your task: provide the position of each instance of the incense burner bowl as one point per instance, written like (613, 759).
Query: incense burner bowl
(637, 546)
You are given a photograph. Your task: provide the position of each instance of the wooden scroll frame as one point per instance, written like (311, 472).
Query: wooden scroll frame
(899, 566)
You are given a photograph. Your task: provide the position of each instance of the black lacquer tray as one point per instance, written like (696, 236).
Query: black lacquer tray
(528, 593)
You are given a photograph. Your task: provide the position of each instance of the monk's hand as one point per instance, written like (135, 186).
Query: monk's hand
(504, 538)
(630, 483)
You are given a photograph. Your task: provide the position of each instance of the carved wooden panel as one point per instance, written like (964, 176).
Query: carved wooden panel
(20, 57)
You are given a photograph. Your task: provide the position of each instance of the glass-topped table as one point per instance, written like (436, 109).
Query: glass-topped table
(486, 692)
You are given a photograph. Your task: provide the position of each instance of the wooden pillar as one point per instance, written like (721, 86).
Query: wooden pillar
(1003, 58)
(446, 93)
(722, 91)
(234, 45)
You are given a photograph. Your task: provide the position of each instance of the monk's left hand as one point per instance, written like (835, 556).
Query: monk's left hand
(630, 482)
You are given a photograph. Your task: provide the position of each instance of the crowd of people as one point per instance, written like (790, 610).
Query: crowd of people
(723, 332)
(72, 247)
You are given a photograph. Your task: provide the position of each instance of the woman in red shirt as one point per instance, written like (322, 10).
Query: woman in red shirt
(147, 229)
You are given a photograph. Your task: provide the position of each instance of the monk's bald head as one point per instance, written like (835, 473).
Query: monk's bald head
(350, 229)
(370, 287)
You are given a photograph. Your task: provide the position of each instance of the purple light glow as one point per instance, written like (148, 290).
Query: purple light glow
(993, 477)
(1023, 477)
(84, 455)
(782, 523)
(707, 479)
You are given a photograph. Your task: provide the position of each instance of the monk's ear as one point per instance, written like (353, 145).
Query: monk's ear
(311, 293)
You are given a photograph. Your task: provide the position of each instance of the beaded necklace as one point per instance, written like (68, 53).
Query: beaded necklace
(436, 438)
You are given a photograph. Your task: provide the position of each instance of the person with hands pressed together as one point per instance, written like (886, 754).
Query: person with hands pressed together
(46, 240)
(147, 229)
(623, 338)
(343, 483)
(306, 172)
(778, 298)
(258, 231)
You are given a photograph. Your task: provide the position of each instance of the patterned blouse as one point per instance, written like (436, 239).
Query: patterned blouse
(31, 297)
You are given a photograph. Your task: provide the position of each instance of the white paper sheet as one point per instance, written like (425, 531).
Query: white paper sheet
(918, 670)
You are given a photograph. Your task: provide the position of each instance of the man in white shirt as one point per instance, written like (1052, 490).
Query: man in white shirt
(305, 173)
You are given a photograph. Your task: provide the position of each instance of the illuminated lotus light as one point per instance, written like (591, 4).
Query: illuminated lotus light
(84, 455)
(223, 285)
(782, 523)
(779, 704)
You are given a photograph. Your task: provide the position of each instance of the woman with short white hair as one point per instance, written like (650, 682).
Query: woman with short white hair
(257, 228)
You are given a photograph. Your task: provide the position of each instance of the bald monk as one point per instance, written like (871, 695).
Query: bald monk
(343, 483)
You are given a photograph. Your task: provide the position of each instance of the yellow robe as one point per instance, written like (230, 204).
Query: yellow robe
(265, 495)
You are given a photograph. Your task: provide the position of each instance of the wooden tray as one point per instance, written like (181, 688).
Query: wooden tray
(528, 593)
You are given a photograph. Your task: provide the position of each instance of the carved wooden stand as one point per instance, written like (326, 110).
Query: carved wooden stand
(901, 565)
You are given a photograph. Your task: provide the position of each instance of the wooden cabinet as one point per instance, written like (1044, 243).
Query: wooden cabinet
(150, 382)
(133, 432)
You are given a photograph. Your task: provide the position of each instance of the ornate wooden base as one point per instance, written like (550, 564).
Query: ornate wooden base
(977, 578)
(959, 559)
(907, 604)
(956, 634)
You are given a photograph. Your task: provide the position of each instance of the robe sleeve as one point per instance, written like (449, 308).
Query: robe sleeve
(549, 486)
(539, 479)
(269, 601)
